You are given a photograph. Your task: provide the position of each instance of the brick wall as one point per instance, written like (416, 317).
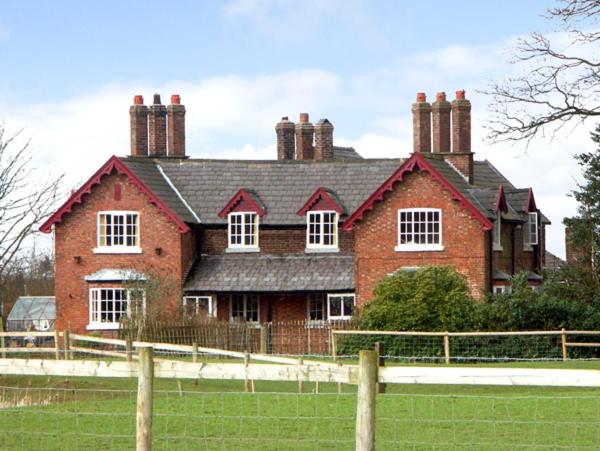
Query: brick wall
(271, 241)
(76, 236)
(524, 260)
(376, 236)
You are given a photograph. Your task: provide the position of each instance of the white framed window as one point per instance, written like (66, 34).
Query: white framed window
(242, 231)
(315, 305)
(322, 230)
(199, 306)
(500, 289)
(244, 307)
(498, 232)
(419, 229)
(118, 232)
(109, 305)
(340, 306)
(531, 233)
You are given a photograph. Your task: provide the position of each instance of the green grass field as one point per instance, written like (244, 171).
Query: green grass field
(94, 413)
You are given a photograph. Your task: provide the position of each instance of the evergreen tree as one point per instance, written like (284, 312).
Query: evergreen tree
(584, 229)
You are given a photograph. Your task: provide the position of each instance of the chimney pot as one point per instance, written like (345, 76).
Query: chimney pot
(138, 100)
(421, 97)
(460, 95)
(156, 99)
(175, 99)
(440, 97)
(304, 118)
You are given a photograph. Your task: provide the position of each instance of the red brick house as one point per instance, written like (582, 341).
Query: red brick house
(306, 236)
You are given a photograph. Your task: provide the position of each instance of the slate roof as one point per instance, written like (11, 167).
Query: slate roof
(272, 273)
(553, 262)
(198, 189)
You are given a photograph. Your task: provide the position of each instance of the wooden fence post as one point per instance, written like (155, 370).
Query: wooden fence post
(129, 349)
(300, 383)
(563, 337)
(447, 348)
(365, 405)
(67, 345)
(246, 362)
(195, 352)
(144, 399)
(333, 350)
(381, 362)
(263, 338)
(57, 344)
(2, 340)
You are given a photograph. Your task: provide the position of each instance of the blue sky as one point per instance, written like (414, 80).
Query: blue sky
(71, 68)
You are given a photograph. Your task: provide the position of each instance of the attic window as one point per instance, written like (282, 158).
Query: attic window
(118, 232)
(243, 232)
(530, 234)
(322, 230)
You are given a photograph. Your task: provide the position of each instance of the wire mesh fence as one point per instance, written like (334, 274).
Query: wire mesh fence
(75, 418)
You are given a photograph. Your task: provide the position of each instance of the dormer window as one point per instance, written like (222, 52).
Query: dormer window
(530, 232)
(243, 231)
(322, 230)
(118, 232)
(498, 232)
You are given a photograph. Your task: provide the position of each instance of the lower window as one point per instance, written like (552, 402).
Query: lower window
(109, 305)
(316, 307)
(244, 307)
(199, 306)
(499, 289)
(340, 306)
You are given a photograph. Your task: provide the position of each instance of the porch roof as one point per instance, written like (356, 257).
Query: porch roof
(272, 273)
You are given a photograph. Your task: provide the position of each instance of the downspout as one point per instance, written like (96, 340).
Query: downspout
(512, 251)
(490, 252)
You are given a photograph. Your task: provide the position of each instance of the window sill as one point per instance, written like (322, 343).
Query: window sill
(498, 248)
(419, 248)
(321, 250)
(242, 250)
(340, 318)
(118, 250)
(103, 326)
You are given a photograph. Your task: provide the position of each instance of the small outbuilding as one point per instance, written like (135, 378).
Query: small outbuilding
(36, 313)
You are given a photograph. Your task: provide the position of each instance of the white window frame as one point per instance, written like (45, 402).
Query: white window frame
(316, 297)
(501, 289)
(532, 228)
(212, 305)
(414, 247)
(343, 316)
(243, 247)
(95, 302)
(117, 249)
(245, 297)
(497, 231)
(320, 215)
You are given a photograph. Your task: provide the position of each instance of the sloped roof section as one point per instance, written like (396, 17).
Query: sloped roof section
(282, 186)
(158, 191)
(345, 153)
(272, 273)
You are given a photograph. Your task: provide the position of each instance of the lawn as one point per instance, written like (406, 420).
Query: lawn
(95, 413)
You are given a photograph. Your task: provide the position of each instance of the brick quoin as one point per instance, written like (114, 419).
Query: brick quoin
(76, 236)
(376, 236)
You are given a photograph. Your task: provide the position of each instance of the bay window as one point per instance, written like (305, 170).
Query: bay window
(109, 305)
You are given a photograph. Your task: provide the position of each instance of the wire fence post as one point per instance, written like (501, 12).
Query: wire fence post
(263, 338)
(129, 349)
(365, 405)
(380, 362)
(195, 352)
(144, 399)
(57, 344)
(563, 337)
(67, 345)
(447, 348)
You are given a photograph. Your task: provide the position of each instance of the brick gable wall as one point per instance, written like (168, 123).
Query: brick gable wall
(76, 236)
(376, 237)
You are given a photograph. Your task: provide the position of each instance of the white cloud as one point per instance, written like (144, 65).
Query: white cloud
(234, 117)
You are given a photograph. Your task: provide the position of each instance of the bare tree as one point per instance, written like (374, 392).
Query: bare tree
(557, 84)
(26, 198)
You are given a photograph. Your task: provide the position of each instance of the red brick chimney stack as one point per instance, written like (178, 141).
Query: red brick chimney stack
(138, 115)
(324, 140)
(440, 110)
(304, 138)
(176, 127)
(157, 125)
(461, 123)
(286, 139)
(421, 124)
